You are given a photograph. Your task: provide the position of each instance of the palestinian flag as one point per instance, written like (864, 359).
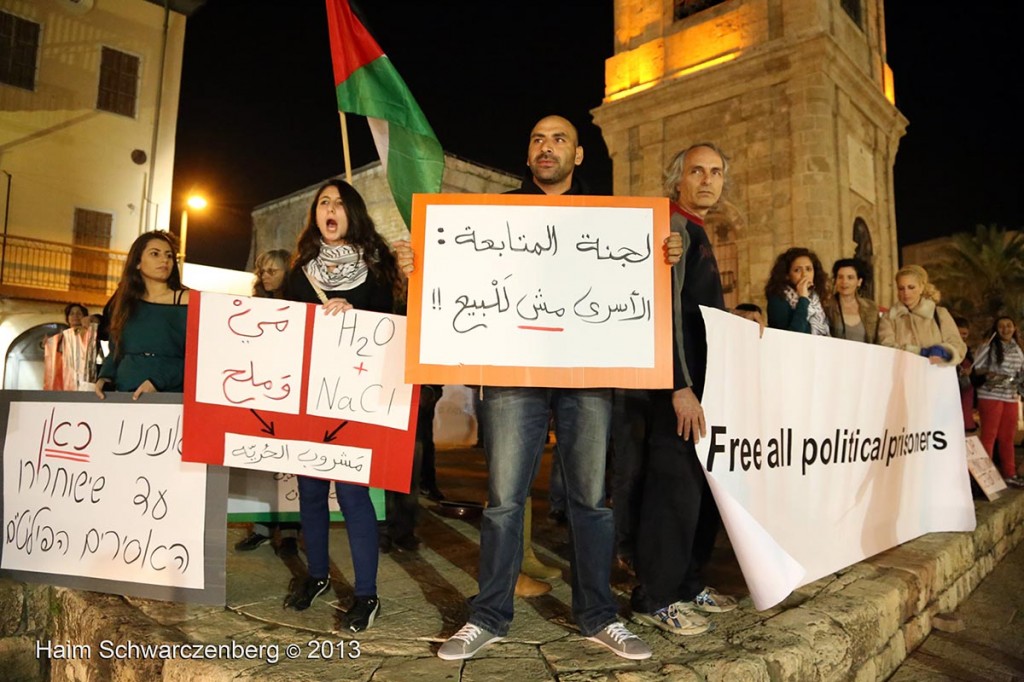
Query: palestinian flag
(368, 84)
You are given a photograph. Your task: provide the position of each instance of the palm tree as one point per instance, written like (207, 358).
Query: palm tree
(981, 274)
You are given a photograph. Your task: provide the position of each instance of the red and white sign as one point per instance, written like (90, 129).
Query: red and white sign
(280, 386)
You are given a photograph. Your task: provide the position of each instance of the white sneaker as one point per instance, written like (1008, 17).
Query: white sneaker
(466, 642)
(624, 643)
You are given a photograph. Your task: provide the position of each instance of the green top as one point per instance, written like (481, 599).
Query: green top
(152, 347)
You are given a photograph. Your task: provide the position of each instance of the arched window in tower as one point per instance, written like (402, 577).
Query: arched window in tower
(722, 223)
(853, 10)
(865, 252)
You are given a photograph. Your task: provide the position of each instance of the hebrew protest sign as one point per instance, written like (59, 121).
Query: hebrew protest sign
(531, 290)
(95, 496)
(821, 452)
(279, 386)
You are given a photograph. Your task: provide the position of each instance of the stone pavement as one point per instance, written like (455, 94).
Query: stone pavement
(857, 624)
(990, 647)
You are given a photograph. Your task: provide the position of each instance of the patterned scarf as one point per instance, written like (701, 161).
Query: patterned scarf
(815, 313)
(337, 268)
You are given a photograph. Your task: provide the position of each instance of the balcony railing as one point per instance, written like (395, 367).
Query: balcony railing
(59, 267)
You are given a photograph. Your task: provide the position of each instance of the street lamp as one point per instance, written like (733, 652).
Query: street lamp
(195, 202)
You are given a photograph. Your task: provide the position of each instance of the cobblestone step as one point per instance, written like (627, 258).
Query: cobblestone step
(857, 624)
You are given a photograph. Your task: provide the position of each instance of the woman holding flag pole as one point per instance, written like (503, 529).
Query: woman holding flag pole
(342, 262)
(348, 264)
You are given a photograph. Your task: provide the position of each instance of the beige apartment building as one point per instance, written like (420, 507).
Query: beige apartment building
(88, 111)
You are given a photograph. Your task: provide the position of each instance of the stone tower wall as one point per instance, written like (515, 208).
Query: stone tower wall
(796, 94)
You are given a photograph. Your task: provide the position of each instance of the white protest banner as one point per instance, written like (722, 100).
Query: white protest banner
(97, 490)
(245, 366)
(357, 369)
(822, 452)
(530, 290)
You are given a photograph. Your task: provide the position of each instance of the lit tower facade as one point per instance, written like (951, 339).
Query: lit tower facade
(799, 96)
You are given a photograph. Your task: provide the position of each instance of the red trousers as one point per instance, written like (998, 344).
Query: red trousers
(999, 422)
(967, 405)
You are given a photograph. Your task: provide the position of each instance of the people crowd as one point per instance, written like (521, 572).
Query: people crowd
(664, 521)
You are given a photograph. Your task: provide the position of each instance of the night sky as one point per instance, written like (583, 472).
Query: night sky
(258, 118)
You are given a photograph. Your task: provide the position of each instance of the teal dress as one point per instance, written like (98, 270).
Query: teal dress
(152, 347)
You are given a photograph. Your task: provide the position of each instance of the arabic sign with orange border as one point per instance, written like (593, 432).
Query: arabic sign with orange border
(534, 290)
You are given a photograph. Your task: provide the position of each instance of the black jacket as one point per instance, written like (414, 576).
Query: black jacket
(695, 282)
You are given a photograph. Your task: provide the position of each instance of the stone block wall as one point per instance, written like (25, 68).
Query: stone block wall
(277, 224)
(25, 617)
(798, 106)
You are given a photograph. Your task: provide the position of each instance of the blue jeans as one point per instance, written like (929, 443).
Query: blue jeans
(556, 483)
(517, 425)
(360, 522)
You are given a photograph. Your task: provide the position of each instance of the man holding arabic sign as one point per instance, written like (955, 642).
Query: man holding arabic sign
(517, 419)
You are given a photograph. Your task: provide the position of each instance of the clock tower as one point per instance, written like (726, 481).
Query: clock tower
(799, 96)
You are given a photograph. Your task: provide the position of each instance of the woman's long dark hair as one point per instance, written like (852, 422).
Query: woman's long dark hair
(132, 288)
(778, 280)
(361, 233)
(997, 343)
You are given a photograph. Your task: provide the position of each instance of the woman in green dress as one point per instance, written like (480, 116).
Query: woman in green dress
(147, 325)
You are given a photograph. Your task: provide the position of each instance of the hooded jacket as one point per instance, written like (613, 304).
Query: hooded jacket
(925, 326)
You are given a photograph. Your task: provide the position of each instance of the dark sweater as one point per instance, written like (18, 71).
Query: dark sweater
(695, 282)
(372, 294)
(782, 316)
(531, 187)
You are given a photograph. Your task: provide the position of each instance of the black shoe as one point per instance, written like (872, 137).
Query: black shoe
(558, 516)
(410, 543)
(363, 612)
(432, 494)
(288, 547)
(250, 542)
(305, 592)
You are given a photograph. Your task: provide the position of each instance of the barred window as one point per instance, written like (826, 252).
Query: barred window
(119, 82)
(19, 45)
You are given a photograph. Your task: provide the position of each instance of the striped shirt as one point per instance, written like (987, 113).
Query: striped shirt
(1003, 380)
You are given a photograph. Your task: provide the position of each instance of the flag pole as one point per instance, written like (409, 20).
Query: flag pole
(344, 145)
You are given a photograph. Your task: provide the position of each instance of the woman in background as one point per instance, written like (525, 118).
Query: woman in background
(917, 324)
(1001, 362)
(343, 263)
(60, 363)
(792, 291)
(75, 315)
(851, 316)
(271, 268)
(147, 321)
